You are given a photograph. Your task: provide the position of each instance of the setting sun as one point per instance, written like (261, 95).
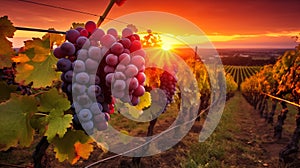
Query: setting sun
(166, 46)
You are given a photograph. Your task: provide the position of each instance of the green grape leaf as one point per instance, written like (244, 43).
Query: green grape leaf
(40, 73)
(53, 100)
(56, 104)
(15, 118)
(65, 147)
(57, 125)
(6, 90)
(6, 30)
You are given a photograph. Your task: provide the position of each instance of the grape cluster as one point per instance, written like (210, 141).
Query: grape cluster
(8, 74)
(168, 85)
(96, 66)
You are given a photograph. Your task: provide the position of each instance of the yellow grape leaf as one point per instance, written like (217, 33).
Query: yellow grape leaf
(54, 39)
(145, 101)
(42, 74)
(65, 147)
(83, 150)
(6, 30)
(15, 118)
(21, 58)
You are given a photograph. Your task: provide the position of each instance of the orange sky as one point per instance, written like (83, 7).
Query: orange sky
(228, 23)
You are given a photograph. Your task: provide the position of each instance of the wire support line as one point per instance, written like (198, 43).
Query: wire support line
(280, 99)
(57, 7)
(39, 30)
(76, 11)
(154, 138)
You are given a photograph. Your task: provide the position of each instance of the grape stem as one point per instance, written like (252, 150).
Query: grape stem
(108, 8)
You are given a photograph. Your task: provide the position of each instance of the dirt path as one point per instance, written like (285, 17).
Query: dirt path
(257, 135)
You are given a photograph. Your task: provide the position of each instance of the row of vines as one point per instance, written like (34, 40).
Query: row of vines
(278, 84)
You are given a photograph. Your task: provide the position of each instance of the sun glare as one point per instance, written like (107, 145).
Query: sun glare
(166, 46)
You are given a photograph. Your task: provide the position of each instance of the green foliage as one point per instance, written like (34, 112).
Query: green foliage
(6, 90)
(55, 104)
(15, 118)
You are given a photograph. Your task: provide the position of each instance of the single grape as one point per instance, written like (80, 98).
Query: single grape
(64, 64)
(91, 65)
(108, 40)
(84, 100)
(139, 91)
(84, 33)
(94, 91)
(90, 26)
(141, 77)
(125, 42)
(113, 32)
(118, 93)
(78, 66)
(68, 76)
(138, 61)
(85, 115)
(58, 53)
(117, 48)
(96, 108)
(112, 60)
(82, 78)
(127, 32)
(68, 48)
(124, 59)
(132, 83)
(72, 35)
(82, 54)
(78, 89)
(135, 45)
(119, 85)
(83, 42)
(101, 126)
(119, 75)
(131, 70)
(95, 53)
(88, 126)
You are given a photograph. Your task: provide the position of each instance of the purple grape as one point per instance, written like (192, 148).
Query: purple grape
(78, 66)
(72, 35)
(68, 48)
(82, 78)
(64, 64)
(94, 91)
(83, 42)
(58, 53)
(68, 76)
(85, 115)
